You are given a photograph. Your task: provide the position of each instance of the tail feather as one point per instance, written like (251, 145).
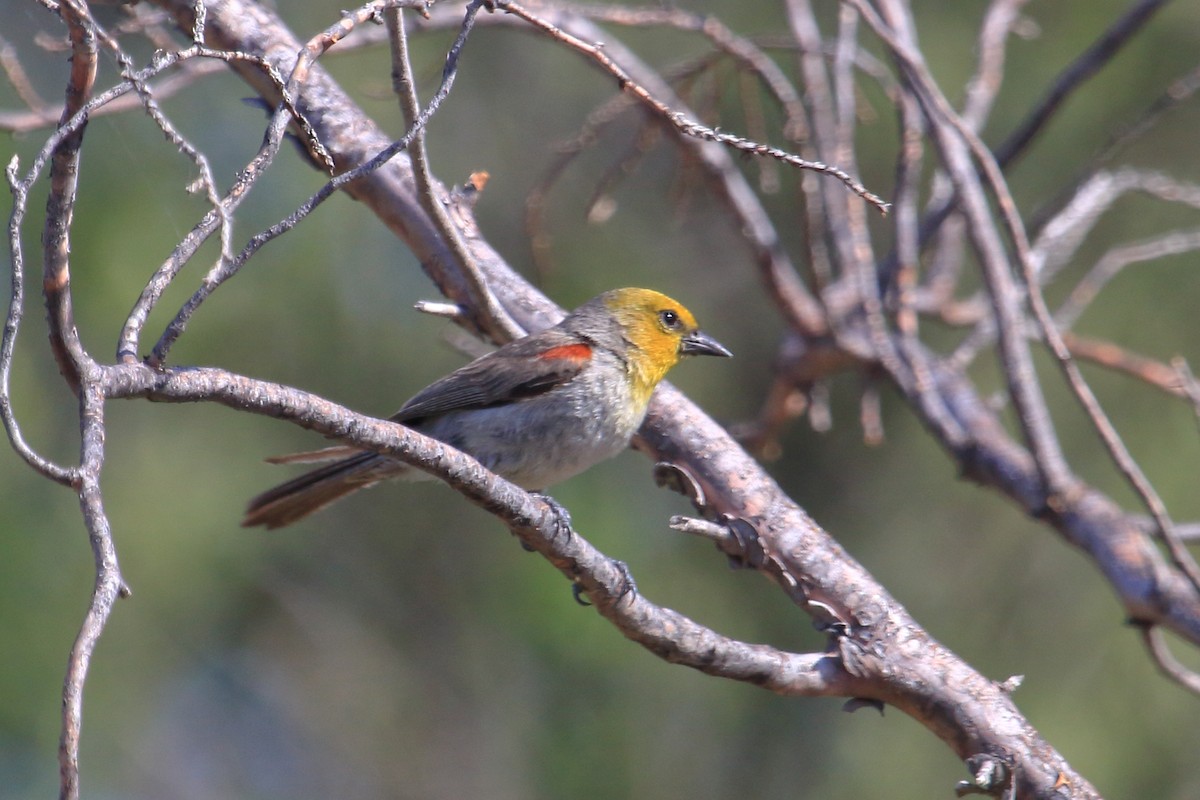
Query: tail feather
(314, 490)
(326, 454)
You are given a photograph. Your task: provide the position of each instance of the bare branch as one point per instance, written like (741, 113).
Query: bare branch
(1024, 390)
(1097, 55)
(494, 320)
(673, 436)
(188, 74)
(1117, 259)
(219, 218)
(958, 146)
(1106, 354)
(64, 177)
(12, 326)
(678, 120)
(849, 312)
(666, 633)
(1063, 233)
(226, 269)
(109, 585)
(747, 53)
(17, 77)
(982, 88)
(1170, 666)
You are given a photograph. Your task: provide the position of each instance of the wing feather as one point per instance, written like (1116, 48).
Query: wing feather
(527, 368)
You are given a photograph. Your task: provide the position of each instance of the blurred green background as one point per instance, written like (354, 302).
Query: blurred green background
(402, 644)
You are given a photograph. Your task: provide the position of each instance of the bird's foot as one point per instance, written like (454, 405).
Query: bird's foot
(562, 517)
(628, 584)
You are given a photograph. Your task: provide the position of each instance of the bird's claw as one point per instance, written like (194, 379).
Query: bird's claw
(562, 517)
(628, 584)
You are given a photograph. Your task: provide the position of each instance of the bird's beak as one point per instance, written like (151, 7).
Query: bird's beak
(699, 343)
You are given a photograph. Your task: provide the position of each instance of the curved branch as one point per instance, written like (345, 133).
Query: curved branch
(60, 206)
(108, 587)
(886, 652)
(1167, 663)
(669, 634)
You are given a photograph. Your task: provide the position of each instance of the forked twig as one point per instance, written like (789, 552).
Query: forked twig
(226, 269)
(492, 318)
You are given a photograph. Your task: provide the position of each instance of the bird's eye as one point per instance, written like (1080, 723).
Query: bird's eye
(669, 318)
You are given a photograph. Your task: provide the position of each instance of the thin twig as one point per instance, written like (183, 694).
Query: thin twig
(73, 126)
(216, 278)
(1028, 391)
(563, 155)
(130, 74)
(755, 116)
(1062, 234)
(1110, 356)
(1177, 92)
(748, 54)
(680, 121)
(920, 388)
(78, 369)
(1089, 62)
(567, 151)
(859, 262)
(985, 83)
(188, 74)
(1188, 383)
(958, 146)
(942, 206)
(829, 235)
(226, 268)
(12, 326)
(1060, 239)
(221, 214)
(714, 532)
(17, 77)
(64, 181)
(1170, 666)
(1117, 259)
(491, 317)
(800, 309)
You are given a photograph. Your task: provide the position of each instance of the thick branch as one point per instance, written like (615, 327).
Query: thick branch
(668, 634)
(60, 205)
(878, 631)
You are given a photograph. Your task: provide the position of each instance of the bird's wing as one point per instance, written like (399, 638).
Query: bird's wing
(522, 369)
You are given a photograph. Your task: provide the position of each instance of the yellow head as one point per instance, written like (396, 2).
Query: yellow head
(656, 332)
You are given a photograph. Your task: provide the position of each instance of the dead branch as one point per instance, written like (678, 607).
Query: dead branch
(856, 311)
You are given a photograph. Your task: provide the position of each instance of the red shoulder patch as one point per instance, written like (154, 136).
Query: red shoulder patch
(575, 353)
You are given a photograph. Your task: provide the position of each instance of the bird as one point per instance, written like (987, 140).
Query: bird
(537, 411)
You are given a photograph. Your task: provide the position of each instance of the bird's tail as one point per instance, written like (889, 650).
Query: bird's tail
(312, 491)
